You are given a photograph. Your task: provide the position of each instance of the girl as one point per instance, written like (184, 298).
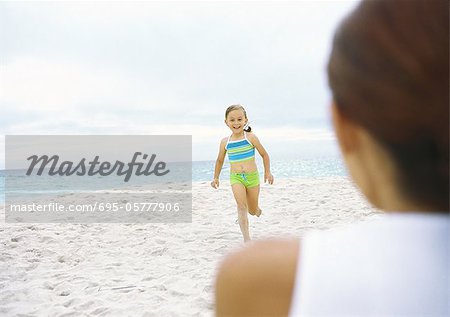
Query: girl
(244, 177)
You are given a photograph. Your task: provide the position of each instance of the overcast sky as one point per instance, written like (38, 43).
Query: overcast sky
(169, 68)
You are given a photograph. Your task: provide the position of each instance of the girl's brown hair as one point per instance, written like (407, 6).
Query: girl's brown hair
(388, 72)
(238, 107)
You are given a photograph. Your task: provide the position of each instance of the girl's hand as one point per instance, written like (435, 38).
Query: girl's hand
(268, 178)
(215, 183)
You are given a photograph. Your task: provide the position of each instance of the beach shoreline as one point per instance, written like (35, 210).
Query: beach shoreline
(158, 269)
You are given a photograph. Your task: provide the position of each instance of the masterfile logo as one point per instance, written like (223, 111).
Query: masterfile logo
(94, 167)
(98, 178)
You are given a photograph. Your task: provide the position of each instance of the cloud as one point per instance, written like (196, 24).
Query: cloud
(163, 67)
(44, 85)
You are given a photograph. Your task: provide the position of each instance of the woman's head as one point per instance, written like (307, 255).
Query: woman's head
(236, 118)
(388, 72)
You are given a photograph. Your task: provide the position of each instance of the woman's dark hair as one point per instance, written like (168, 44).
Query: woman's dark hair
(389, 72)
(238, 107)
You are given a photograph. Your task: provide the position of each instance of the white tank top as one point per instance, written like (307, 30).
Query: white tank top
(395, 266)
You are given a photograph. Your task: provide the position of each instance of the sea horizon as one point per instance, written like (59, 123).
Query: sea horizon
(202, 171)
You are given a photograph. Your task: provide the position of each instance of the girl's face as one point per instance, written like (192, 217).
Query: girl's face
(236, 121)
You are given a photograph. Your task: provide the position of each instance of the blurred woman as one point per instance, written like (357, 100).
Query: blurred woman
(388, 73)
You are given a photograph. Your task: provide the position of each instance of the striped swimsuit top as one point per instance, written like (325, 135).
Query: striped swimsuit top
(240, 150)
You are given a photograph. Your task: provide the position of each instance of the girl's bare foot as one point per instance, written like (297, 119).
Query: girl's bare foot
(255, 213)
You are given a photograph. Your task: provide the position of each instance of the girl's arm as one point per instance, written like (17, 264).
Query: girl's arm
(219, 163)
(265, 156)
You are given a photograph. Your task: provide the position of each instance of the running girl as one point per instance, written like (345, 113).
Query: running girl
(244, 177)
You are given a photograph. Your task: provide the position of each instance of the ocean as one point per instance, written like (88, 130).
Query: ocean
(299, 168)
(317, 167)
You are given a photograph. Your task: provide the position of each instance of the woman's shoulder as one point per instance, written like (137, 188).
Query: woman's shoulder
(258, 279)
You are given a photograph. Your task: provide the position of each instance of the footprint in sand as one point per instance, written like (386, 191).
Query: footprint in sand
(47, 285)
(69, 303)
(159, 252)
(16, 239)
(65, 292)
(100, 310)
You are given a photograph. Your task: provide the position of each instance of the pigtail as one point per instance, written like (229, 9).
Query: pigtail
(247, 128)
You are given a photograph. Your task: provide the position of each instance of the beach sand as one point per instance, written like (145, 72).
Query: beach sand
(157, 269)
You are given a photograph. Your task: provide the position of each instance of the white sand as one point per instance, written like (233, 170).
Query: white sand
(156, 269)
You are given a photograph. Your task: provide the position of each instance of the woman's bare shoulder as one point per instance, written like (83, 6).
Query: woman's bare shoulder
(258, 279)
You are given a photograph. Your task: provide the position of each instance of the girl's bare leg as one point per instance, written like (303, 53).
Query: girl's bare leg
(240, 195)
(252, 201)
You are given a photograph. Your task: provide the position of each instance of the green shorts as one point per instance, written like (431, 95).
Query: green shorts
(247, 179)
